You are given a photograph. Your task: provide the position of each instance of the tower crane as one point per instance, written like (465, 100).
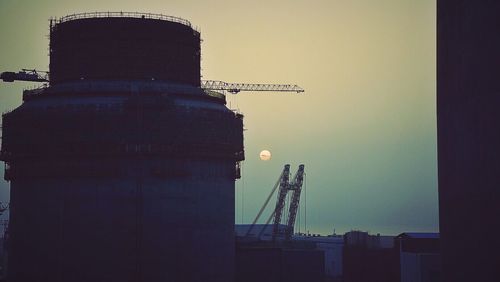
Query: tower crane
(25, 75)
(285, 186)
(235, 88)
(213, 85)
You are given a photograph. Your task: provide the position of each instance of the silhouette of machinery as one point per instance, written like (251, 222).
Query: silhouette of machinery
(212, 85)
(286, 186)
(122, 164)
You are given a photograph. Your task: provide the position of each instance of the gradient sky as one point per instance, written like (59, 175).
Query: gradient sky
(365, 128)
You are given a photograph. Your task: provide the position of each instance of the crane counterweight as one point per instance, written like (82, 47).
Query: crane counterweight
(25, 75)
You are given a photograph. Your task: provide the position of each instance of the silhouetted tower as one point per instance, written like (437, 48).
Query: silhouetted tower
(468, 101)
(123, 168)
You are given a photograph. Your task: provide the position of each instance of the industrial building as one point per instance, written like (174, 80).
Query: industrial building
(419, 257)
(270, 252)
(369, 258)
(122, 168)
(356, 256)
(122, 164)
(468, 100)
(332, 247)
(275, 263)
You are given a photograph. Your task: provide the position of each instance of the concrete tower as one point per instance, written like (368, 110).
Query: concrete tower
(122, 169)
(468, 101)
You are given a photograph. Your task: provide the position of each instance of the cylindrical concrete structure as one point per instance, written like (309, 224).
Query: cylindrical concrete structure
(121, 179)
(116, 46)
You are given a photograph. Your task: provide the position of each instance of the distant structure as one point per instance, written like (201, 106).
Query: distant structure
(122, 165)
(419, 257)
(468, 100)
(123, 168)
(356, 256)
(333, 248)
(369, 258)
(285, 185)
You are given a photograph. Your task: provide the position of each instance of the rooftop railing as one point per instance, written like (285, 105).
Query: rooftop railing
(90, 15)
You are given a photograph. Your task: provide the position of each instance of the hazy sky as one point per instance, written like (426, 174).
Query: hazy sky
(365, 128)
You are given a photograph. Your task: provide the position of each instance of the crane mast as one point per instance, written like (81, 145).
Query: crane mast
(280, 201)
(296, 188)
(285, 185)
(280, 179)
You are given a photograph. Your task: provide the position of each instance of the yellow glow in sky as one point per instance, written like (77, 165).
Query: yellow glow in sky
(365, 127)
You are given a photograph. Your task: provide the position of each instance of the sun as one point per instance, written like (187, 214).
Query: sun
(265, 155)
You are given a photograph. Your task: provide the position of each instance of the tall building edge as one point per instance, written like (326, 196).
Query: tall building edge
(468, 115)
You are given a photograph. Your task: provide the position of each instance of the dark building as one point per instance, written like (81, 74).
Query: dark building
(419, 257)
(279, 262)
(123, 168)
(117, 46)
(369, 258)
(468, 102)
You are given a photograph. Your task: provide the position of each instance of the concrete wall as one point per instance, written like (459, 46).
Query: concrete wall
(136, 228)
(121, 184)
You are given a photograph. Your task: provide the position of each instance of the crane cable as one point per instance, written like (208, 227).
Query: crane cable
(264, 206)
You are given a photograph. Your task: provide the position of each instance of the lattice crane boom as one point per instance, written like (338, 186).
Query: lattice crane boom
(238, 87)
(286, 185)
(214, 85)
(280, 201)
(266, 202)
(296, 188)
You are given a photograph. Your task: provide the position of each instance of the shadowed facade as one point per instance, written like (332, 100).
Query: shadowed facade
(468, 100)
(122, 169)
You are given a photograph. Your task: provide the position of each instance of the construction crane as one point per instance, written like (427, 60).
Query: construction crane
(25, 75)
(285, 186)
(235, 88)
(280, 201)
(296, 188)
(210, 85)
(282, 182)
